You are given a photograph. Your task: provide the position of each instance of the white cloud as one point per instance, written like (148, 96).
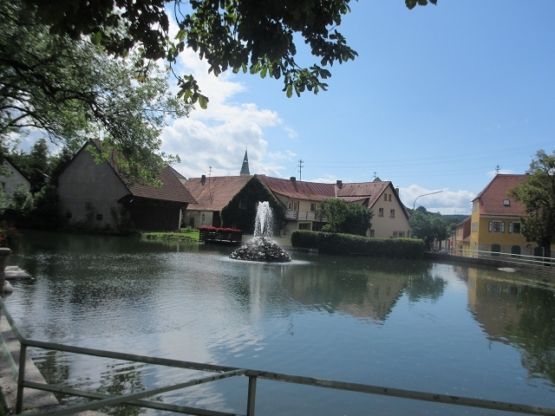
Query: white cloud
(217, 137)
(492, 173)
(287, 155)
(291, 133)
(446, 201)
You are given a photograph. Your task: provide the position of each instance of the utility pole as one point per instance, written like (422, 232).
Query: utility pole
(301, 169)
(210, 189)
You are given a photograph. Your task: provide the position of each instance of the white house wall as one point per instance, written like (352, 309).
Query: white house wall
(384, 226)
(11, 181)
(86, 181)
(200, 218)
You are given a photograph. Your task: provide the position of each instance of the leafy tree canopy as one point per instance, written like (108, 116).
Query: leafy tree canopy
(241, 35)
(345, 218)
(73, 91)
(537, 193)
(428, 226)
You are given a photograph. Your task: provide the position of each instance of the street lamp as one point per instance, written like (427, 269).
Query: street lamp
(431, 193)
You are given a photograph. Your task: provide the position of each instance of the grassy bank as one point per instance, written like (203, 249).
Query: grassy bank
(185, 235)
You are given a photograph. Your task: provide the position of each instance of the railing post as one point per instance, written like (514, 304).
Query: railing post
(251, 399)
(4, 253)
(21, 378)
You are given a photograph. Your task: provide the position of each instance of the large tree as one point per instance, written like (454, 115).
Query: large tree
(241, 35)
(428, 226)
(73, 90)
(537, 193)
(345, 218)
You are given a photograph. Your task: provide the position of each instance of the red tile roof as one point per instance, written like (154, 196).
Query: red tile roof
(171, 189)
(313, 191)
(308, 191)
(371, 190)
(212, 194)
(492, 196)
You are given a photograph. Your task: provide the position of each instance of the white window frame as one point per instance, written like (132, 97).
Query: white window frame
(492, 227)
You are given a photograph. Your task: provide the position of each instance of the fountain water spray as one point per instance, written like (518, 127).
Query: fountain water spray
(264, 222)
(262, 247)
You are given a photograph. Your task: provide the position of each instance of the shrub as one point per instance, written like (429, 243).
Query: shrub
(9, 236)
(346, 244)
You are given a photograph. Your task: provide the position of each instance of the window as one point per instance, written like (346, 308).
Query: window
(313, 207)
(496, 227)
(474, 227)
(385, 197)
(99, 217)
(390, 197)
(295, 206)
(506, 203)
(514, 227)
(371, 233)
(289, 205)
(380, 212)
(202, 218)
(392, 213)
(398, 234)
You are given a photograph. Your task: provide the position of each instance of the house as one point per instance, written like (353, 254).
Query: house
(231, 201)
(461, 240)
(212, 194)
(495, 219)
(302, 200)
(12, 179)
(97, 195)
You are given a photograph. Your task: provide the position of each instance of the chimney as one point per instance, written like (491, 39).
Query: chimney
(339, 184)
(397, 191)
(293, 179)
(203, 179)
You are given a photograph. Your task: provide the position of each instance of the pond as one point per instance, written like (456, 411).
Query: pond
(441, 328)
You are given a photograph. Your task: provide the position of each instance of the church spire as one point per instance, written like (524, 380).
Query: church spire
(245, 167)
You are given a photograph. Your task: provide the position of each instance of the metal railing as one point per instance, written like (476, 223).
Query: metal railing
(218, 373)
(509, 258)
(300, 215)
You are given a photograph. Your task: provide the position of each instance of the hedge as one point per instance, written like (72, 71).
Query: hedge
(347, 244)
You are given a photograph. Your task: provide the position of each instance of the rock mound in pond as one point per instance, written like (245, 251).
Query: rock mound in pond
(261, 249)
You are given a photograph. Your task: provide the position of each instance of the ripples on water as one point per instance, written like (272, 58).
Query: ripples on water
(413, 325)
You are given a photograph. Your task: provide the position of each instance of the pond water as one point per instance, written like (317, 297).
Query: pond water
(433, 327)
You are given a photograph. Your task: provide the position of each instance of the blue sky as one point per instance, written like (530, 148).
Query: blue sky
(438, 97)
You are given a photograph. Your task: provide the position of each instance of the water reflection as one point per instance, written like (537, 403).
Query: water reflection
(405, 324)
(360, 288)
(523, 316)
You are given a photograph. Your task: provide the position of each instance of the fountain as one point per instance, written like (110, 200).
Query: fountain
(262, 247)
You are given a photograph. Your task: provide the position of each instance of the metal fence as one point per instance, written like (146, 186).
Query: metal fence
(215, 372)
(545, 264)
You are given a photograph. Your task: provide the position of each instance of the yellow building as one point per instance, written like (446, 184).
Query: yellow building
(495, 220)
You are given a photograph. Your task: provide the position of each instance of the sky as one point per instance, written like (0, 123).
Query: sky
(439, 98)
